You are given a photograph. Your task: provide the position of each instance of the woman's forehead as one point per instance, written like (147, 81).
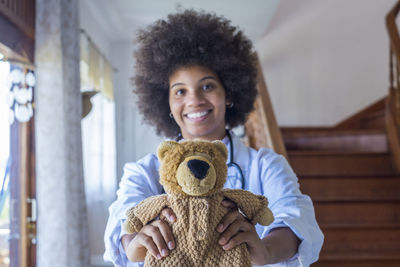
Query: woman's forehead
(192, 73)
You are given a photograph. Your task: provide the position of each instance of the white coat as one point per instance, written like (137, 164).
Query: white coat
(265, 173)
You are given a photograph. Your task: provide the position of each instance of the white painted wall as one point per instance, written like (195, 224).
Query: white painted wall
(325, 60)
(134, 138)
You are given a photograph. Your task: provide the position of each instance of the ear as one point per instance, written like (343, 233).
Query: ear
(165, 147)
(221, 147)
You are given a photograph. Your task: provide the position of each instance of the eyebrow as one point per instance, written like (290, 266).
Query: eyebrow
(202, 79)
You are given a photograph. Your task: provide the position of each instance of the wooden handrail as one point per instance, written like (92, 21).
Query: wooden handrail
(392, 29)
(392, 115)
(262, 129)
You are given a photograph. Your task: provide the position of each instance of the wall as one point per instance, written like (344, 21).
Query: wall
(325, 60)
(134, 138)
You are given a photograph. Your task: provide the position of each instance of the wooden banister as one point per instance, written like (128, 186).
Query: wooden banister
(392, 116)
(392, 28)
(262, 129)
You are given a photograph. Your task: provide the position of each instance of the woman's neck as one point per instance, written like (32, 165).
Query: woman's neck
(211, 137)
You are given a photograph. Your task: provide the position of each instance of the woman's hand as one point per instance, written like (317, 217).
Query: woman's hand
(155, 237)
(236, 229)
(281, 244)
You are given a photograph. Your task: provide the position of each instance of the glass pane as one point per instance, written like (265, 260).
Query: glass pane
(4, 162)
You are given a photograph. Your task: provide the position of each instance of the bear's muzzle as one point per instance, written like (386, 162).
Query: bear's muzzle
(198, 167)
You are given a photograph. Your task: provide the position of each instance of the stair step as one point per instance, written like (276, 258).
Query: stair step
(351, 188)
(340, 163)
(334, 140)
(361, 244)
(357, 263)
(358, 214)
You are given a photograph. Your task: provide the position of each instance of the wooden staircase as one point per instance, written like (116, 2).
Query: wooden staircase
(347, 170)
(351, 171)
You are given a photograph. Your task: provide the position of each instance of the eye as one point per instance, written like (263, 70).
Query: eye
(207, 86)
(179, 92)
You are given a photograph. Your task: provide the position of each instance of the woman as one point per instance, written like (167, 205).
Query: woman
(195, 77)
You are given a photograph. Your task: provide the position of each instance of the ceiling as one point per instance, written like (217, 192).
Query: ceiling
(120, 19)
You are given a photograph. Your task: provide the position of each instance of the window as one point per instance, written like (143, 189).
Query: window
(4, 164)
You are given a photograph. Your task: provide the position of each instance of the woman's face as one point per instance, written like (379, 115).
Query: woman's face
(197, 102)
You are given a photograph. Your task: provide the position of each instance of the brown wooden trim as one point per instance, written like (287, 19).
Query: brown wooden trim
(392, 122)
(14, 196)
(22, 251)
(23, 215)
(393, 133)
(21, 13)
(355, 121)
(302, 129)
(392, 29)
(15, 39)
(31, 189)
(329, 131)
(262, 129)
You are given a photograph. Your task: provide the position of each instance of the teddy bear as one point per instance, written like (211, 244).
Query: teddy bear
(193, 174)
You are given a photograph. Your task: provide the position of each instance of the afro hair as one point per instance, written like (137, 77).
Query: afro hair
(193, 38)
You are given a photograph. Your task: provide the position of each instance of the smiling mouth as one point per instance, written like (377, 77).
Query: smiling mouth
(198, 115)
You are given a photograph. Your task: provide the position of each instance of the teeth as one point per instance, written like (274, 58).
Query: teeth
(197, 114)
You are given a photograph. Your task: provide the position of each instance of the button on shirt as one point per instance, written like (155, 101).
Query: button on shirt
(265, 173)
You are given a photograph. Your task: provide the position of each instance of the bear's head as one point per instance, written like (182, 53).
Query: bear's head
(194, 167)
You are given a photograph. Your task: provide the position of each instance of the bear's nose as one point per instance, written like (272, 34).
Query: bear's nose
(199, 168)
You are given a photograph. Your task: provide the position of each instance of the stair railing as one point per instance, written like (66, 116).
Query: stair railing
(392, 115)
(262, 129)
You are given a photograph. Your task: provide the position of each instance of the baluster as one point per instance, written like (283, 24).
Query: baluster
(396, 89)
(391, 75)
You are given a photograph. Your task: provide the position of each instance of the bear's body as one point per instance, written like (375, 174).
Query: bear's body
(197, 215)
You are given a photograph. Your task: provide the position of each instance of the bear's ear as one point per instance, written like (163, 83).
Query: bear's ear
(165, 147)
(221, 147)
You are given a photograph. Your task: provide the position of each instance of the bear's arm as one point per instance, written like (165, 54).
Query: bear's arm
(255, 207)
(144, 212)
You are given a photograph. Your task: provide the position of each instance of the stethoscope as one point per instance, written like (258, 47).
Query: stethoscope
(231, 163)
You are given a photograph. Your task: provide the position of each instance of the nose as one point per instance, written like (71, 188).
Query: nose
(196, 98)
(198, 167)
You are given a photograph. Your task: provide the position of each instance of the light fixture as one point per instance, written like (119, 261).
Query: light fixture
(21, 82)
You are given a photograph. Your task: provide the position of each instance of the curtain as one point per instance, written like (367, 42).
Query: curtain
(98, 141)
(96, 70)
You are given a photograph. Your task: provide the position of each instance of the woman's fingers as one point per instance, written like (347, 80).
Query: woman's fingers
(236, 229)
(154, 233)
(147, 242)
(236, 240)
(229, 218)
(227, 203)
(166, 233)
(168, 214)
(239, 225)
(157, 236)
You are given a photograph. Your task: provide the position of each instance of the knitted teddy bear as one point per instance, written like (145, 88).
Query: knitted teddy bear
(193, 174)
